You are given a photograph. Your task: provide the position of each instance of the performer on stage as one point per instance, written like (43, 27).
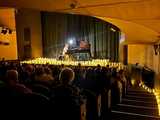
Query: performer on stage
(65, 49)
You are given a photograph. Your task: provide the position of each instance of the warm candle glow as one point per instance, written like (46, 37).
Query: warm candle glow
(95, 62)
(155, 92)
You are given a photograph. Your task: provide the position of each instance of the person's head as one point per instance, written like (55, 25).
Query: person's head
(39, 70)
(12, 76)
(107, 66)
(47, 70)
(62, 65)
(79, 65)
(29, 69)
(98, 66)
(121, 72)
(137, 64)
(66, 75)
(114, 72)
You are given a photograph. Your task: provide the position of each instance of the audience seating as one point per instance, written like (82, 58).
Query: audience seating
(106, 104)
(97, 94)
(41, 89)
(116, 93)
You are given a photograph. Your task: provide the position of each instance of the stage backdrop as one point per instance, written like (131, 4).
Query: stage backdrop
(59, 28)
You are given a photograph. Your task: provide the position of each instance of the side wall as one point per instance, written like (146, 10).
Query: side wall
(9, 52)
(145, 55)
(32, 20)
(7, 19)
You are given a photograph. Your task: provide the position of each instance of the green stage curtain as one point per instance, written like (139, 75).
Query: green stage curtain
(59, 28)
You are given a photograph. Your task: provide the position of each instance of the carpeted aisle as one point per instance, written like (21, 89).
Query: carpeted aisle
(136, 105)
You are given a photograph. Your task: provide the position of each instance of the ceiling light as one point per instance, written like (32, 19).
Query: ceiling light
(112, 29)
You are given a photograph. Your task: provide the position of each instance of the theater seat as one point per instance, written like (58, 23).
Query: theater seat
(106, 104)
(116, 92)
(35, 105)
(83, 110)
(41, 89)
(93, 105)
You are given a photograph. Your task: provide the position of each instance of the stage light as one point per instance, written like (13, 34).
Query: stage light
(112, 29)
(70, 41)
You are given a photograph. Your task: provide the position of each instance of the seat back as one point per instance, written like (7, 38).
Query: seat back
(83, 110)
(41, 89)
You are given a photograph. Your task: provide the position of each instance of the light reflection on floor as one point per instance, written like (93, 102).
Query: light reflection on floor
(156, 92)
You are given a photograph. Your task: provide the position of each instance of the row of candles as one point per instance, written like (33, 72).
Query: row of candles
(156, 92)
(94, 62)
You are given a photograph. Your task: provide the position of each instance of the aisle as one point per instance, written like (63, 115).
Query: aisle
(136, 105)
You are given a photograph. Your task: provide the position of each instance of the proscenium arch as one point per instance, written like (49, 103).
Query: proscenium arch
(134, 17)
(103, 36)
(135, 33)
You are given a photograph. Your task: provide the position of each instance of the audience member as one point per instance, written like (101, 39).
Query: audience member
(13, 82)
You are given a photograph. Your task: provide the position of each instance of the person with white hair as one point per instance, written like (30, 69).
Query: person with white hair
(66, 96)
(13, 82)
(66, 76)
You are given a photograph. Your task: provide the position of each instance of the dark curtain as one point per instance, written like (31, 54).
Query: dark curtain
(58, 29)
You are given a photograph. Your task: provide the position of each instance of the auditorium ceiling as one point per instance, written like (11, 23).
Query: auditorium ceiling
(138, 19)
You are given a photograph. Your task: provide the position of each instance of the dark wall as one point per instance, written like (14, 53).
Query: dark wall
(125, 54)
(58, 28)
(29, 34)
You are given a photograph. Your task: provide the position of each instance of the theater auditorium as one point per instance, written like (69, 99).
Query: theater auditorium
(80, 59)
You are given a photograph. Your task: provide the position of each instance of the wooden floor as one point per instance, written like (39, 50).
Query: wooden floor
(136, 105)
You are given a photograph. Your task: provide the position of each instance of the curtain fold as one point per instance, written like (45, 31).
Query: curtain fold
(58, 29)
